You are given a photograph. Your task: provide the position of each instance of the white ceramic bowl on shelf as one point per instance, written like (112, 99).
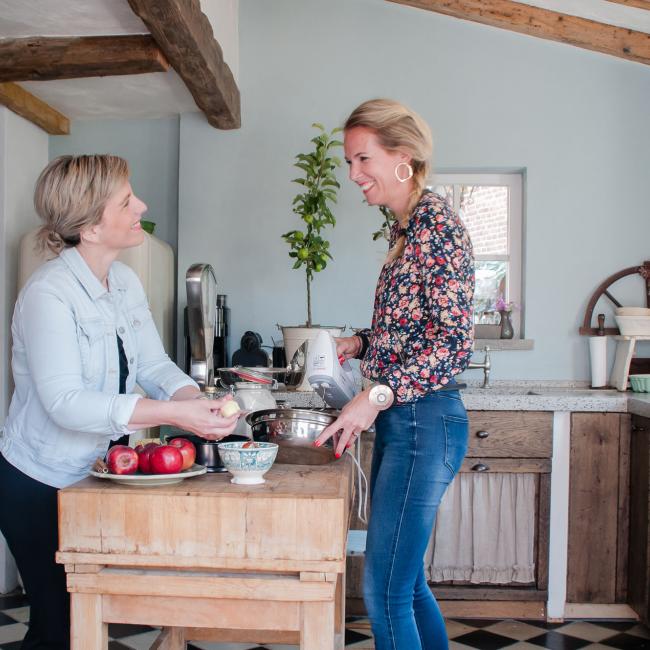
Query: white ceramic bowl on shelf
(633, 325)
(633, 311)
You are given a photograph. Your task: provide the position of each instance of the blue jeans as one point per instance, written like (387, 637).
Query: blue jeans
(418, 450)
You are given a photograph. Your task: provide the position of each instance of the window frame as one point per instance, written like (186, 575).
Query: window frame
(514, 256)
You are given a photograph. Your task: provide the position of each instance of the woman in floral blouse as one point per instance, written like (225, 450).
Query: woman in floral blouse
(421, 337)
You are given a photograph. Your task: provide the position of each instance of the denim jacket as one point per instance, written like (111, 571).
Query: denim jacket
(66, 405)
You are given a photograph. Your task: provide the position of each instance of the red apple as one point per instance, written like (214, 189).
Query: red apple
(144, 455)
(187, 449)
(165, 459)
(250, 444)
(122, 460)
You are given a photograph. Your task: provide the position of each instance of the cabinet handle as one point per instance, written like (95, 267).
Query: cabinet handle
(482, 434)
(480, 467)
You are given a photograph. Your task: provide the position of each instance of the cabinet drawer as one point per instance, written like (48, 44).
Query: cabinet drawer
(510, 434)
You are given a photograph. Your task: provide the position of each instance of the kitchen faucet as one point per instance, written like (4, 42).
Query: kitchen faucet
(486, 365)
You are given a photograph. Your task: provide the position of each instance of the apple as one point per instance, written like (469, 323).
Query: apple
(229, 408)
(187, 449)
(251, 444)
(165, 459)
(122, 460)
(144, 456)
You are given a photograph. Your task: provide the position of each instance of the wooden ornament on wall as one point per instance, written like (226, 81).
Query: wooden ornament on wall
(603, 290)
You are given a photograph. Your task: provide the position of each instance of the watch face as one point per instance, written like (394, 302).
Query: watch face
(381, 396)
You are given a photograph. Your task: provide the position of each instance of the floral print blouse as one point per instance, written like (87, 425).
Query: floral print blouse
(422, 327)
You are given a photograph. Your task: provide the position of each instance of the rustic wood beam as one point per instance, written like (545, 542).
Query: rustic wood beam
(18, 100)
(543, 23)
(39, 58)
(639, 4)
(185, 35)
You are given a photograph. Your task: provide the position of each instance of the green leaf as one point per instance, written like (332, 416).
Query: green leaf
(148, 226)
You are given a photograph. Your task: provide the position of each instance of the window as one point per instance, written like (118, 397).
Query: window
(491, 207)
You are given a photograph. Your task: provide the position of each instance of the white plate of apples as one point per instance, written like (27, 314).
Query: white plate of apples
(150, 463)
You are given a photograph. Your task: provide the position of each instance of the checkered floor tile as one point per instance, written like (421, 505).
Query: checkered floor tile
(476, 634)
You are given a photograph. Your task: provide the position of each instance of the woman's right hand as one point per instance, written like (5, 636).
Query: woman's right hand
(202, 417)
(348, 347)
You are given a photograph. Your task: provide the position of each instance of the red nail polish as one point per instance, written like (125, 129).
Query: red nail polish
(337, 455)
(317, 443)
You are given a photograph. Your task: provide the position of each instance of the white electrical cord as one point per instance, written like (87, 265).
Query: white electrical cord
(362, 483)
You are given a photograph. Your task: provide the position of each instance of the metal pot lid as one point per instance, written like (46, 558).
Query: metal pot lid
(248, 374)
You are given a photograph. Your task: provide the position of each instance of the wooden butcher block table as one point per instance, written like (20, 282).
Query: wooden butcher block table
(208, 560)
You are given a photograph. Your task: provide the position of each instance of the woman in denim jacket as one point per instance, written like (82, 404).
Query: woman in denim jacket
(83, 336)
(421, 337)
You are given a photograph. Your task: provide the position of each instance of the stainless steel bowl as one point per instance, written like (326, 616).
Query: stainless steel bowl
(294, 431)
(206, 450)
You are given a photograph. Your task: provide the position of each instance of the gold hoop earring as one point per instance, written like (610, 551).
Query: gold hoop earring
(410, 172)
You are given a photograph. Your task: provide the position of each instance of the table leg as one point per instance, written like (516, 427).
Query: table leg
(317, 626)
(171, 638)
(339, 611)
(87, 629)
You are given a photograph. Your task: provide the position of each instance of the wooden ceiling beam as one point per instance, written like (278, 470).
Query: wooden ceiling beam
(639, 4)
(40, 58)
(543, 23)
(185, 35)
(23, 103)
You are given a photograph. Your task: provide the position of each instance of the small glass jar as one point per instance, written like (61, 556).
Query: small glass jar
(209, 392)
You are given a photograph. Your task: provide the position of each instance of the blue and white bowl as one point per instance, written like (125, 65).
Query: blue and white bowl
(247, 465)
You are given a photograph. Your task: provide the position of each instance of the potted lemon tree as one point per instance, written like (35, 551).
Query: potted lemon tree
(308, 247)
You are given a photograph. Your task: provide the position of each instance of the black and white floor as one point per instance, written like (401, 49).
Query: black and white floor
(477, 634)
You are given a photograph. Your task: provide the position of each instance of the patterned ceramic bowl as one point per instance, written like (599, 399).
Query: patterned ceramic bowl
(247, 464)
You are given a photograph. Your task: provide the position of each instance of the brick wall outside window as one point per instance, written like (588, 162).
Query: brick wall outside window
(484, 209)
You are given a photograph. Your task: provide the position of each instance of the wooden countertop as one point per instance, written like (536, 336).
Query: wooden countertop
(296, 520)
(300, 481)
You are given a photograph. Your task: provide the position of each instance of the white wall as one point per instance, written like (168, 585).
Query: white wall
(23, 154)
(150, 146)
(575, 121)
(224, 17)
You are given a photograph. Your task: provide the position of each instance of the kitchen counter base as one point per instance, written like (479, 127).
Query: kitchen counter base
(270, 558)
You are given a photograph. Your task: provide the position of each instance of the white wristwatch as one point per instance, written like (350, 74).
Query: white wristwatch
(381, 396)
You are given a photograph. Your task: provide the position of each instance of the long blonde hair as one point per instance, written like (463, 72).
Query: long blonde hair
(398, 128)
(71, 194)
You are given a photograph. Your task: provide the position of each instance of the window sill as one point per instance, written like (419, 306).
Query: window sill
(504, 344)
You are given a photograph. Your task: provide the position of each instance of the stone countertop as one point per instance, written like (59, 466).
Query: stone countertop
(639, 404)
(522, 397)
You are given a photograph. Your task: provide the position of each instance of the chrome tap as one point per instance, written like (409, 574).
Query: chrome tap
(486, 365)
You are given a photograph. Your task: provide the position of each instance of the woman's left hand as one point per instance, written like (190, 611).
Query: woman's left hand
(357, 415)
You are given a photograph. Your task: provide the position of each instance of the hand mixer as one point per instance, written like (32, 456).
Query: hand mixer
(336, 383)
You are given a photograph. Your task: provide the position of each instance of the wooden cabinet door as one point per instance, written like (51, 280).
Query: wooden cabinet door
(598, 508)
(639, 558)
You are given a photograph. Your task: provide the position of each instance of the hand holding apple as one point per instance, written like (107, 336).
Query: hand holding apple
(203, 418)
